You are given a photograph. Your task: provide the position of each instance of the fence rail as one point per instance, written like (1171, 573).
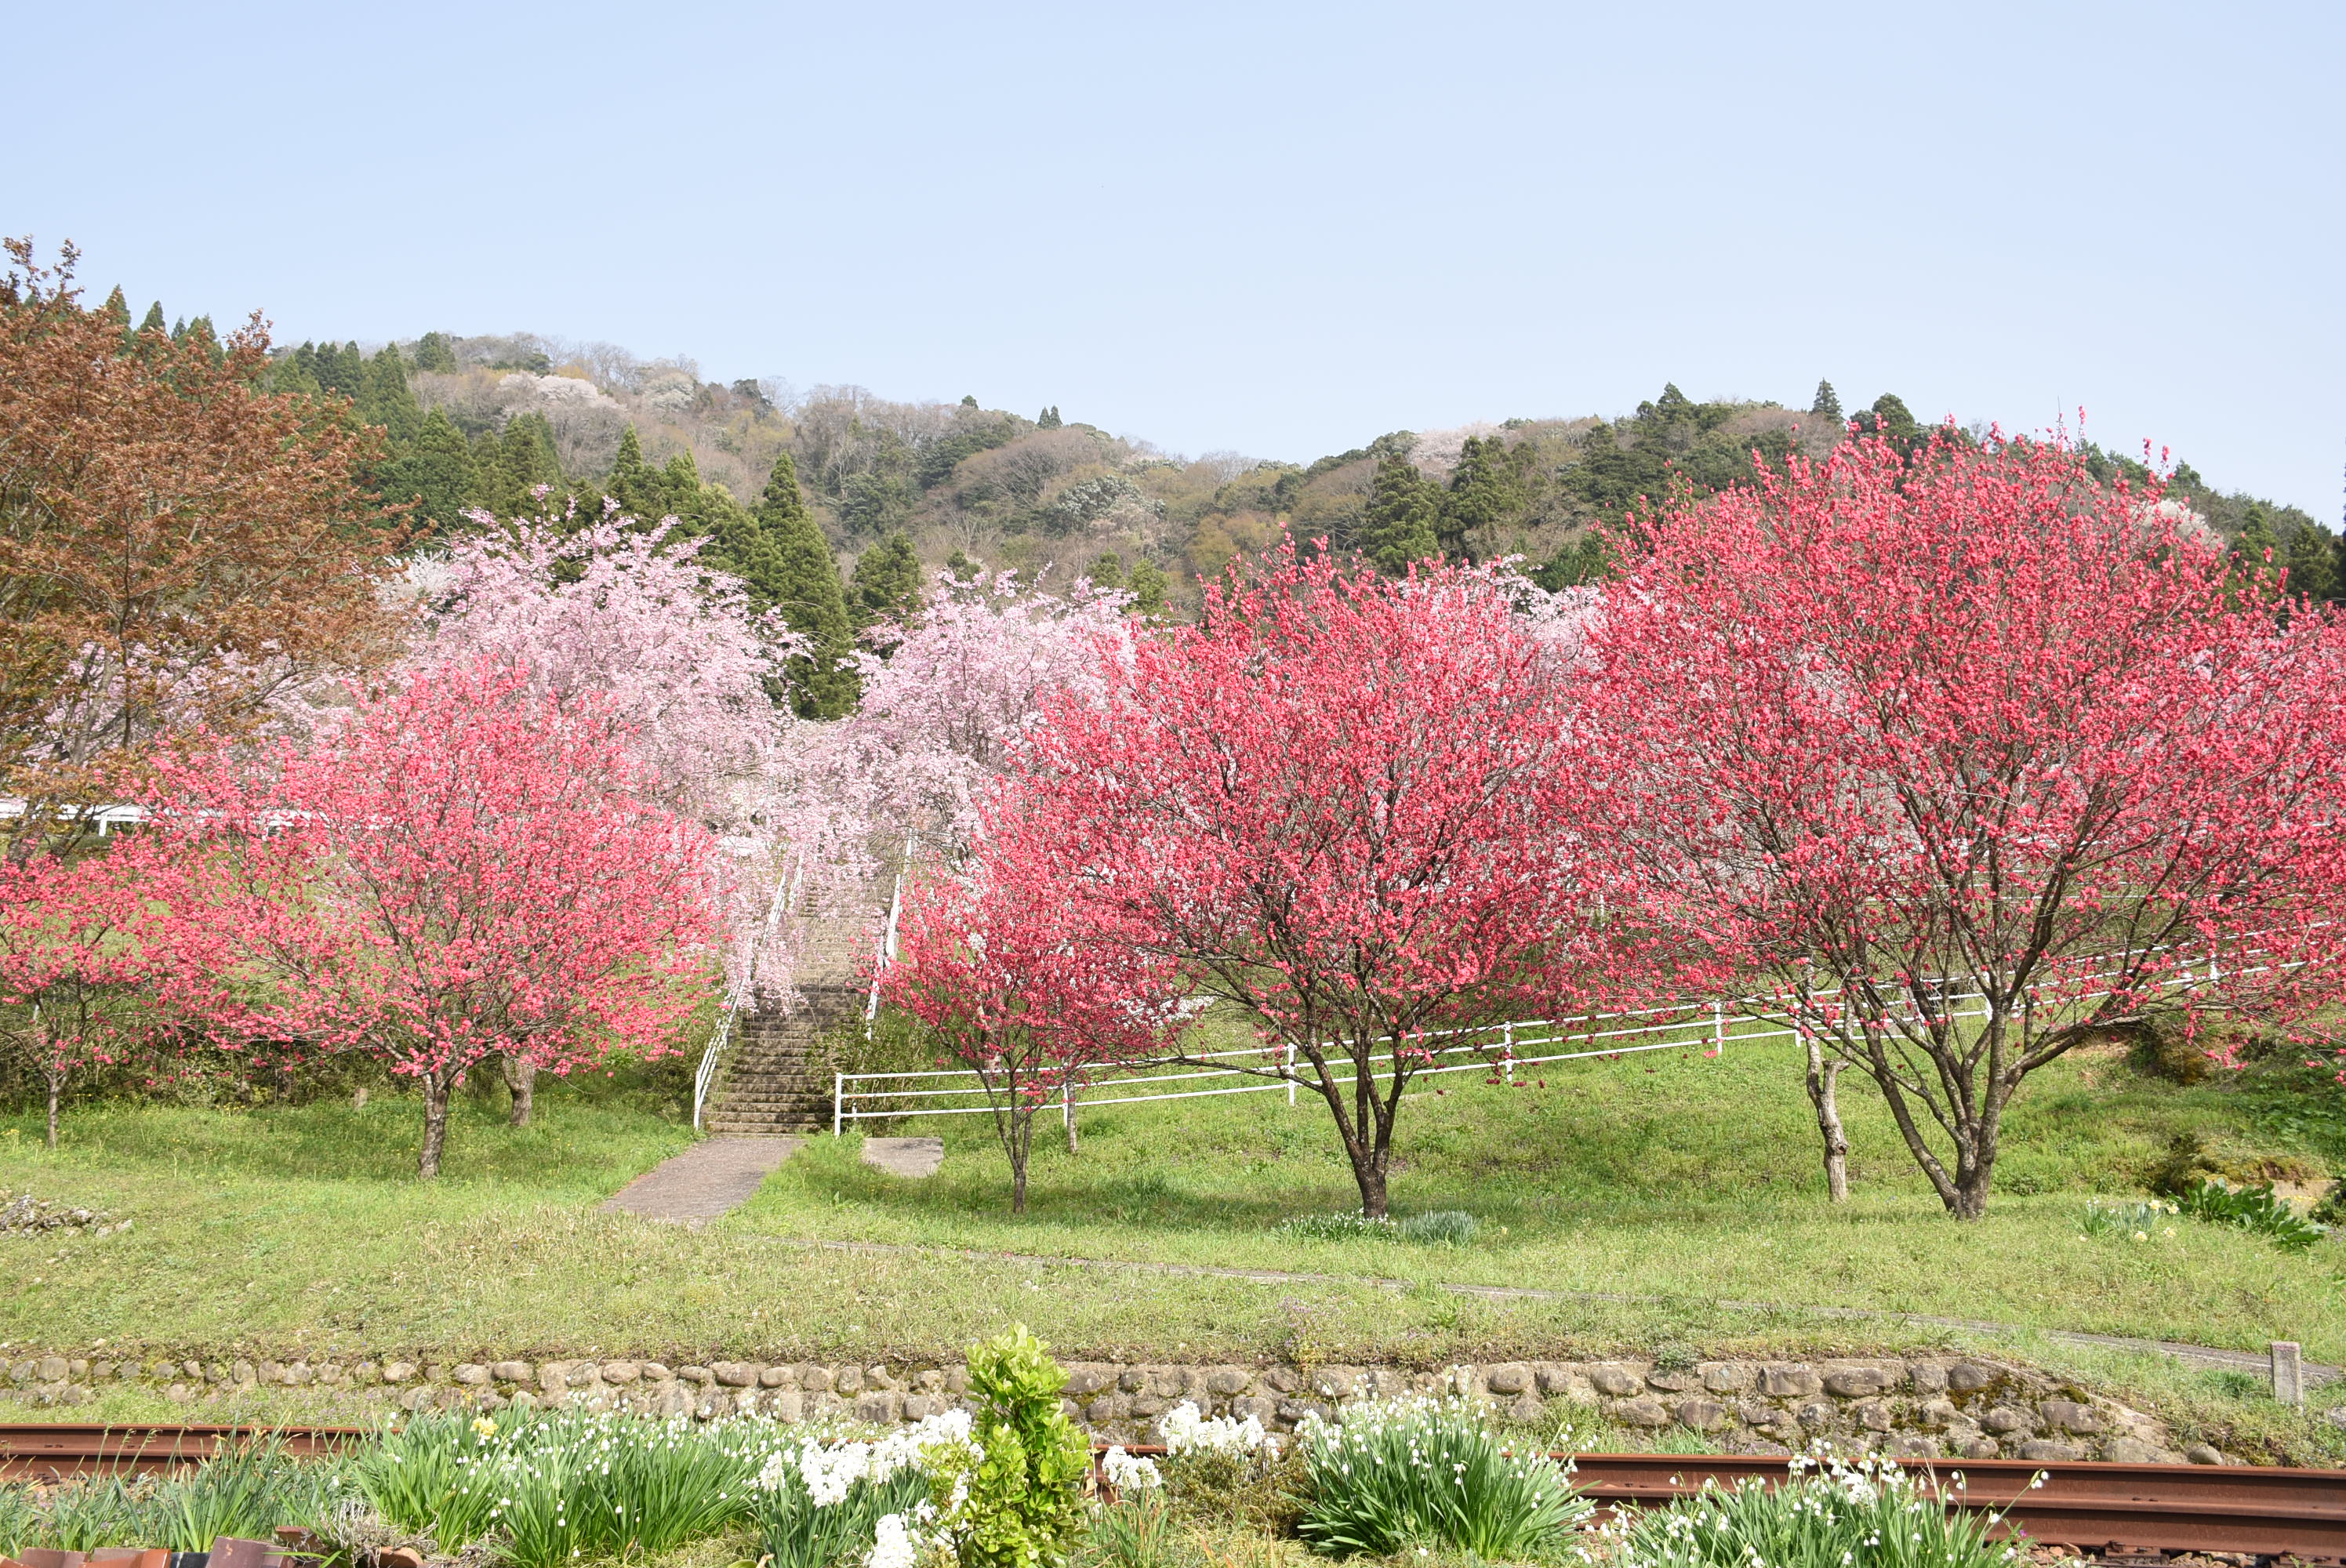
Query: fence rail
(1499, 1048)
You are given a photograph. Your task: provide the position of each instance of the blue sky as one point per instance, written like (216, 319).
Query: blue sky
(1276, 228)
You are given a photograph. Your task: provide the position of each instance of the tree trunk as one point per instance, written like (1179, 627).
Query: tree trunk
(57, 1090)
(1824, 1094)
(435, 1125)
(521, 1078)
(1067, 1112)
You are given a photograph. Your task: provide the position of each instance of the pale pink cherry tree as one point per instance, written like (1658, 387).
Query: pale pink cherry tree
(959, 690)
(631, 619)
(1025, 991)
(1338, 802)
(77, 955)
(1962, 759)
(466, 868)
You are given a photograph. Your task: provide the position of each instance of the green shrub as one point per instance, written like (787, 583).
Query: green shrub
(1225, 1470)
(1423, 1472)
(2249, 1208)
(1021, 1500)
(1865, 1515)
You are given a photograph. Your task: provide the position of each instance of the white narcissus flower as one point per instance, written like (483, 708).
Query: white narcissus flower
(1127, 1474)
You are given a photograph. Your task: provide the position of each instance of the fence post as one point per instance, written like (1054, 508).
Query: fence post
(1290, 1072)
(1511, 1051)
(1718, 1026)
(2287, 1373)
(837, 1101)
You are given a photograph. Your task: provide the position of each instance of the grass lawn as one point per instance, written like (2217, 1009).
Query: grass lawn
(1675, 1179)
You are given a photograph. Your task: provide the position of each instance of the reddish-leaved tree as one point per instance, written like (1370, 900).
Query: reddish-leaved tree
(467, 869)
(1338, 801)
(1025, 991)
(1961, 758)
(179, 550)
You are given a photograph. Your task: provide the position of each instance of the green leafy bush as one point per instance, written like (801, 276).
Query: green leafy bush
(1862, 1514)
(1227, 1469)
(2332, 1209)
(1423, 1472)
(2249, 1208)
(1014, 1498)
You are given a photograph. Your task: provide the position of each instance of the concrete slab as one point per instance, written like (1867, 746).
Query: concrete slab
(914, 1157)
(712, 1178)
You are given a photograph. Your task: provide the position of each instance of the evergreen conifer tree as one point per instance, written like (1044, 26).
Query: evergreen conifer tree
(1826, 405)
(1048, 419)
(526, 459)
(1403, 511)
(1107, 571)
(1485, 494)
(385, 399)
(780, 551)
(436, 473)
(435, 354)
(1148, 586)
(154, 321)
(635, 484)
(887, 585)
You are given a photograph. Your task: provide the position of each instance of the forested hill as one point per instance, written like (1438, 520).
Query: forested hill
(893, 489)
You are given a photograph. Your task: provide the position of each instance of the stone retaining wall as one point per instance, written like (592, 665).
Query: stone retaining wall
(1948, 1406)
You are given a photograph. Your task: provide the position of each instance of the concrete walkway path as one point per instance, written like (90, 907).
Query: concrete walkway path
(712, 1178)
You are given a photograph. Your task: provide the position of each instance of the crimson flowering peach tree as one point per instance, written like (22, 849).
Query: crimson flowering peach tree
(1961, 760)
(1025, 991)
(603, 612)
(1339, 802)
(466, 868)
(77, 955)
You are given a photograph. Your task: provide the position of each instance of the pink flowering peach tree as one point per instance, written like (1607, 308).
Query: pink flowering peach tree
(1025, 991)
(1961, 758)
(467, 869)
(1339, 802)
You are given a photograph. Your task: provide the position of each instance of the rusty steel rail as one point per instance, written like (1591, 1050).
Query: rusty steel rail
(51, 1451)
(2261, 1511)
(2255, 1510)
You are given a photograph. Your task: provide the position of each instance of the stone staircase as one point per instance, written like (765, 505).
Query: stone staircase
(774, 1080)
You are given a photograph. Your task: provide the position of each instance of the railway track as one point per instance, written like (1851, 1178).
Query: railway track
(2117, 1510)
